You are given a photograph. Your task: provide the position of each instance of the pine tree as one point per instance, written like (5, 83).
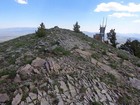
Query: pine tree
(76, 27)
(41, 30)
(112, 37)
(133, 47)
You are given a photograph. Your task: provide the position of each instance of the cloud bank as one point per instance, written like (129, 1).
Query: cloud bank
(120, 15)
(114, 6)
(22, 1)
(120, 9)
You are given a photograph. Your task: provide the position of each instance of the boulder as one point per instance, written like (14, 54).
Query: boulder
(38, 62)
(36, 71)
(135, 83)
(44, 101)
(27, 69)
(51, 65)
(17, 99)
(17, 79)
(3, 98)
(33, 96)
(84, 54)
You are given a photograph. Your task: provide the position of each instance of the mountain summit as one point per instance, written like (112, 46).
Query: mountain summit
(66, 68)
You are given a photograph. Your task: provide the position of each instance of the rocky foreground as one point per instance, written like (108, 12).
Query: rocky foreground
(66, 68)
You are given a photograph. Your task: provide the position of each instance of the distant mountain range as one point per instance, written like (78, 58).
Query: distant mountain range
(121, 37)
(10, 33)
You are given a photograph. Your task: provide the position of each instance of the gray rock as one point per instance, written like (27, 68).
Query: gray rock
(27, 69)
(28, 100)
(36, 71)
(17, 79)
(108, 97)
(17, 99)
(4, 98)
(44, 102)
(103, 91)
(135, 83)
(22, 103)
(41, 43)
(50, 65)
(84, 54)
(38, 62)
(33, 96)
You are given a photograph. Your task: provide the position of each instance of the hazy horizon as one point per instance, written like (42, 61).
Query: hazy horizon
(11, 33)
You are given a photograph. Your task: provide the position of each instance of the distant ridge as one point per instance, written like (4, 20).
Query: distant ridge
(121, 37)
(10, 33)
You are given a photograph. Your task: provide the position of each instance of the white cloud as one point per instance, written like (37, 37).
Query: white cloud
(114, 6)
(136, 21)
(22, 1)
(120, 15)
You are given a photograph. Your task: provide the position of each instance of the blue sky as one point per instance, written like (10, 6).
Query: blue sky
(123, 15)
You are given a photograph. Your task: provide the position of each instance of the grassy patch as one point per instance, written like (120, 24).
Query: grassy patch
(34, 90)
(96, 56)
(126, 100)
(8, 87)
(95, 103)
(82, 89)
(114, 65)
(138, 63)
(104, 52)
(123, 55)
(80, 58)
(109, 79)
(11, 73)
(11, 60)
(27, 59)
(61, 51)
(20, 44)
(25, 95)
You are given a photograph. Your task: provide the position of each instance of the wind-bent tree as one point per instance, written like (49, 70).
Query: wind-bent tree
(76, 27)
(111, 36)
(41, 30)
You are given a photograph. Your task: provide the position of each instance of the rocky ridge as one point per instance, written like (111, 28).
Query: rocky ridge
(66, 68)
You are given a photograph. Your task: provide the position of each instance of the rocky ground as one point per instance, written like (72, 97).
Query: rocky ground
(66, 68)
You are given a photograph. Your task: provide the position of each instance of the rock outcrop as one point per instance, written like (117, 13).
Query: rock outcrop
(66, 68)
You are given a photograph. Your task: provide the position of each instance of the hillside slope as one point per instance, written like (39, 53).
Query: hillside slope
(66, 68)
